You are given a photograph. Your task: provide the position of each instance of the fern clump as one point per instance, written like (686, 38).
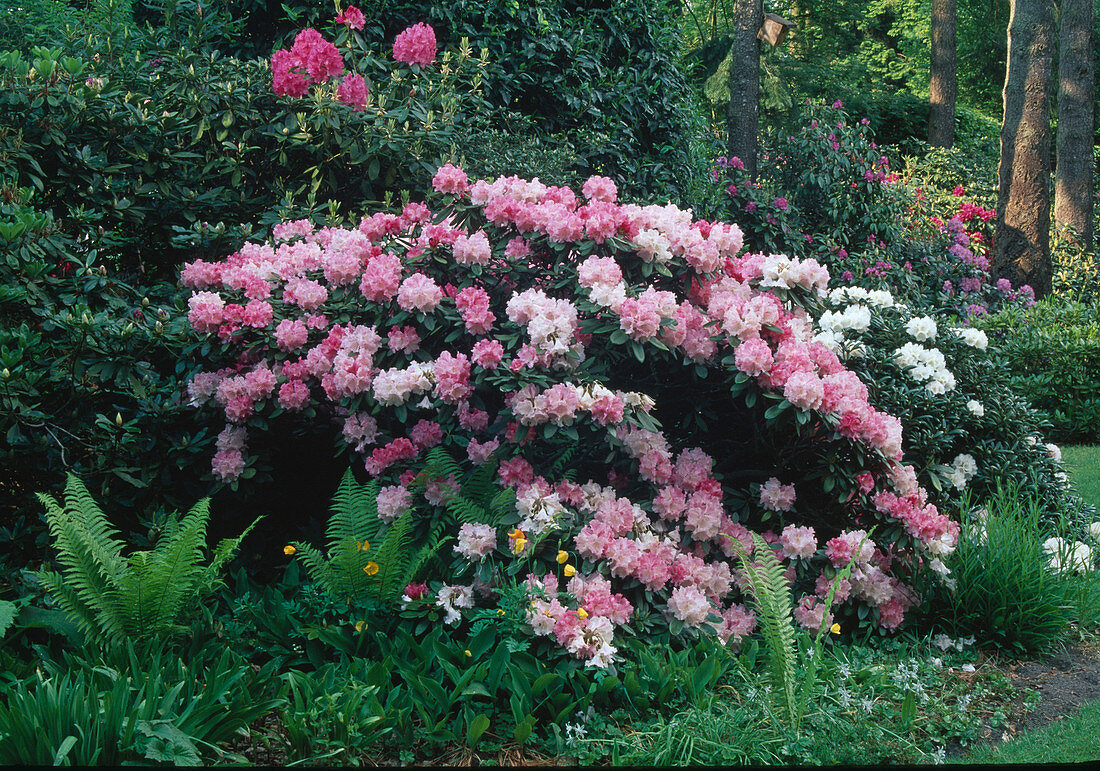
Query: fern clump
(141, 596)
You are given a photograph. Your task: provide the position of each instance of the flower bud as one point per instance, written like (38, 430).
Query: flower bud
(6, 373)
(118, 419)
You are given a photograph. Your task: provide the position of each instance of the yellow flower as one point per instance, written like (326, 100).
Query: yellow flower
(562, 557)
(468, 654)
(362, 545)
(359, 625)
(569, 571)
(288, 550)
(835, 629)
(582, 612)
(519, 545)
(500, 612)
(371, 568)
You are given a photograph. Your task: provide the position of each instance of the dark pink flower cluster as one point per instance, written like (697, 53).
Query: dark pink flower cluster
(311, 59)
(415, 45)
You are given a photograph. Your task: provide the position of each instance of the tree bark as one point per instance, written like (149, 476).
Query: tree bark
(1021, 240)
(942, 87)
(1076, 91)
(743, 118)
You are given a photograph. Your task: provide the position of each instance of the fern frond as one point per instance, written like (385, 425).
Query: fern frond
(393, 557)
(502, 504)
(465, 510)
(223, 552)
(317, 566)
(771, 593)
(480, 485)
(173, 570)
(440, 463)
(353, 513)
(559, 464)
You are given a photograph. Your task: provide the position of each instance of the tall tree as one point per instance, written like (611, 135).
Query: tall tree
(1076, 92)
(942, 86)
(743, 118)
(1021, 240)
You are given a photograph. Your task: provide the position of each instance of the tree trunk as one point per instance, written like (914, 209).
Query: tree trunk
(743, 118)
(1021, 241)
(1076, 90)
(942, 87)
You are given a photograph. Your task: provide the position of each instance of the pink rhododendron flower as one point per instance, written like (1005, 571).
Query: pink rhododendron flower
(353, 91)
(415, 45)
(475, 540)
(798, 542)
(776, 497)
(450, 179)
(420, 293)
(352, 17)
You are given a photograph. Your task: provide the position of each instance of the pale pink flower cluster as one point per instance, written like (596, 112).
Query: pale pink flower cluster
(641, 318)
(360, 430)
(550, 323)
(286, 231)
(396, 386)
(588, 636)
(393, 501)
(476, 540)
(775, 496)
(450, 179)
(473, 304)
(419, 293)
(472, 250)
(689, 605)
(229, 458)
(798, 542)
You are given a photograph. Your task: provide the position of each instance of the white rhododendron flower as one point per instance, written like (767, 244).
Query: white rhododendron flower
(922, 328)
(975, 408)
(975, 338)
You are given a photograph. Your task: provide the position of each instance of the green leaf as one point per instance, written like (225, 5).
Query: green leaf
(477, 727)
(7, 616)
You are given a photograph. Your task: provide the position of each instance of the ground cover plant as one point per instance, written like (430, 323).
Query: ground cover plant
(624, 481)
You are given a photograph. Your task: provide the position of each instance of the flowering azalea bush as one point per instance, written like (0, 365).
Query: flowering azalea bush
(647, 391)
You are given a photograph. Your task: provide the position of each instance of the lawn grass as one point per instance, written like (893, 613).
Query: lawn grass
(1077, 738)
(1073, 740)
(1083, 465)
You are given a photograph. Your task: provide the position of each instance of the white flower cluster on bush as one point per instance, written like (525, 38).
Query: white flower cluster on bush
(926, 365)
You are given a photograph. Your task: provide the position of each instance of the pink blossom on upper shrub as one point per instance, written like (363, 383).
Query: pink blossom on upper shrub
(415, 45)
(352, 17)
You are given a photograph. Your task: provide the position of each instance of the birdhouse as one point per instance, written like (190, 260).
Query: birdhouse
(774, 29)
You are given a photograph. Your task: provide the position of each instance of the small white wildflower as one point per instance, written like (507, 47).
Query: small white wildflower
(976, 408)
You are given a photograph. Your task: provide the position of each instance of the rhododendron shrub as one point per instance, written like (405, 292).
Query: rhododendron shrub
(965, 427)
(363, 123)
(648, 391)
(828, 192)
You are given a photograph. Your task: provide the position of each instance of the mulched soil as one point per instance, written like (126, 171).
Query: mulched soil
(1065, 680)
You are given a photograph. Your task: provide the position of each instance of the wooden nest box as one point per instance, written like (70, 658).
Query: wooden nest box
(774, 29)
